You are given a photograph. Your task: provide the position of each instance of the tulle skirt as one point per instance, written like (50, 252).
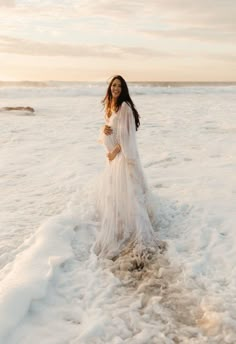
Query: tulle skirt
(126, 210)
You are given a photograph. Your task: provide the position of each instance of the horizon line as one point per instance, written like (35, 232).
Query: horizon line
(134, 81)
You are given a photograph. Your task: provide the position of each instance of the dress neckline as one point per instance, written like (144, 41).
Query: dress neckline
(112, 113)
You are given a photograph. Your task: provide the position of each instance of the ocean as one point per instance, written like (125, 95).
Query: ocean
(52, 288)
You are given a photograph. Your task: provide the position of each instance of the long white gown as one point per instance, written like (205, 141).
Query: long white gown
(124, 203)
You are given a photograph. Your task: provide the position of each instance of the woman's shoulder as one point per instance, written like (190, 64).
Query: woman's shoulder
(125, 106)
(124, 103)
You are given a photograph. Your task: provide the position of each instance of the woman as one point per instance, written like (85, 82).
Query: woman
(124, 203)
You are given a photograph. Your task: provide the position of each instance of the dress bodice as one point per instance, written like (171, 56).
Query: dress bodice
(110, 141)
(123, 127)
(112, 120)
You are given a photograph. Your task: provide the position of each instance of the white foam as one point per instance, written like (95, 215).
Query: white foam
(33, 269)
(187, 145)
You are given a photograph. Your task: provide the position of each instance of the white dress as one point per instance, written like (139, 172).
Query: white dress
(124, 204)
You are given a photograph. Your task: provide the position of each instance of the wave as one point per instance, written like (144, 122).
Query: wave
(33, 269)
(75, 89)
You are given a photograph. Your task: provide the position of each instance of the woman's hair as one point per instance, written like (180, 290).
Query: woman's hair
(123, 97)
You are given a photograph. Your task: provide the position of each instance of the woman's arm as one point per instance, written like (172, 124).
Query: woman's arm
(111, 155)
(126, 134)
(105, 129)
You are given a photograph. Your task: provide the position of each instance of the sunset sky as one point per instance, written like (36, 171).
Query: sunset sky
(149, 40)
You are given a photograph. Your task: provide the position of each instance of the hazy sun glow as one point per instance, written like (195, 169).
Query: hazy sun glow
(143, 40)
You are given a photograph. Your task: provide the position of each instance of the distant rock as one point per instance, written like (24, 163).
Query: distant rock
(25, 108)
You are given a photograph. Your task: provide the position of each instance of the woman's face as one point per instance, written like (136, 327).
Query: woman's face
(116, 88)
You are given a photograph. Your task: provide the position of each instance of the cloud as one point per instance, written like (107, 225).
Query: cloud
(12, 45)
(222, 57)
(193, 33)
(7, 3)
(217, 14)
(121, 32)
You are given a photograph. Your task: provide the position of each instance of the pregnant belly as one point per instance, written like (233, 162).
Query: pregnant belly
(109, 142)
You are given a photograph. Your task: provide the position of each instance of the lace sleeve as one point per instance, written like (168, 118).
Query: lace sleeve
(126, 134)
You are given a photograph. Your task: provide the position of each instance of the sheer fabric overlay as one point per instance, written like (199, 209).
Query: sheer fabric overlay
(125, 207)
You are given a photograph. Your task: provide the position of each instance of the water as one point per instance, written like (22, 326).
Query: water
(73, 89)
(61, 293)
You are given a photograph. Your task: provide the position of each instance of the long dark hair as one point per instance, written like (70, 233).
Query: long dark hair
(123, 97)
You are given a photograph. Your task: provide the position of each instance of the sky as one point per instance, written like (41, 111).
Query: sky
(91, 40)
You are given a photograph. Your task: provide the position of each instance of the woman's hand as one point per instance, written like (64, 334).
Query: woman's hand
(111, 155)
(107, 130)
